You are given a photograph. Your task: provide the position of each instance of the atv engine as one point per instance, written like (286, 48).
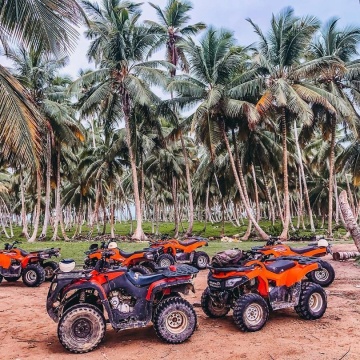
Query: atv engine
(121, 301)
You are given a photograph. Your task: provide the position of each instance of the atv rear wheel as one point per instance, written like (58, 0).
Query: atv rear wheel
(165, 260)
(50, 267)
(33, 275)
(312, 303)
(81, 328)
(324, 276)
(212, 309)
(12, 279)
(174, 320)
(201, 260)
(250, 312)
(140, 270)
(1, 277)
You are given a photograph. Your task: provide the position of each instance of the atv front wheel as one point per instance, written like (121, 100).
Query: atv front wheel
(140, 270)
(50, 267)
(12, 279)
(33, 275)
(174, 320)
(212, 309)
(312, 303)
(324, 276)
(250, 312)
(201, 260)
(165, 260)
(81, 328)
(1, 277)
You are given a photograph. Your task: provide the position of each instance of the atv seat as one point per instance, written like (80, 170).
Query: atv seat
(143, 280)
(126, 254)
(303, 249)
(279, 266)
(188, 242)
(23, 252)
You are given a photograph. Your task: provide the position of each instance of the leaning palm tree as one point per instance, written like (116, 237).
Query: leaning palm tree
(172, 28)
(342, 82)
(122, 46)
(282, 83)
(40, 25)
(215, 67)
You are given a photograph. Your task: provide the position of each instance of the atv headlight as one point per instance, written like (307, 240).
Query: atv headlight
(234, 282)
(149, 256)
(44, 256)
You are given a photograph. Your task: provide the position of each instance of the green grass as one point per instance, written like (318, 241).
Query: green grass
(212, 230)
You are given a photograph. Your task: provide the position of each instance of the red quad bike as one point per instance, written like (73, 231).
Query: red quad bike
(31, 266)
(81, 300)
(324, 276)
(258, 287)
(172, 250)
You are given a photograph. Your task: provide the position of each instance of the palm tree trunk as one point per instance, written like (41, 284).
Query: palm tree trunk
(176, 209)
(57, 194)
(331, 175)
(336, 202)
(267, 192)
(189, 186)
(349, 219)
(111, 213)
(301, 166)
(139, 232)
(250, 215)
(48, 187)
(284, 234)
(277, 198)
(38, 207)
(23, 208)
(256, 192)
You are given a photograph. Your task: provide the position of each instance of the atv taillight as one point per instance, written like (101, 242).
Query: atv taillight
(172, 268)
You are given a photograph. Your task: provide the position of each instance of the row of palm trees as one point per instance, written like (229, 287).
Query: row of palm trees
(264, 131)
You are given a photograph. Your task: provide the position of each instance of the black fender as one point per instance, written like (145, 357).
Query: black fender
(63, 289)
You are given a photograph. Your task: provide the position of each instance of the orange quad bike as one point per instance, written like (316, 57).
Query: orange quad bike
(258, 287)
(41, 257)
(16, 263)
(172, 250)
(82, 302)
(141, 261)
(324, 276)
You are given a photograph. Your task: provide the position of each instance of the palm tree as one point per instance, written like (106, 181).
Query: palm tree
(172, 28)
(283, 86)
(341, 82)
(40, 26)
(214, 65)
(122, 46)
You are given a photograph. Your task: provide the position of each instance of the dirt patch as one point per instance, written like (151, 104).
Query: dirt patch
(26, 331)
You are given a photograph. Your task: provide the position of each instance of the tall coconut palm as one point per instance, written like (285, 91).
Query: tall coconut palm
(341, 82)
(122, 45)
(172, 28)
(213, 65)
(283, 85)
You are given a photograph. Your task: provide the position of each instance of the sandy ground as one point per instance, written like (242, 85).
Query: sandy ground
(26, 331)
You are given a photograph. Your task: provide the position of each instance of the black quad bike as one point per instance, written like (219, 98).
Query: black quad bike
(80, 301)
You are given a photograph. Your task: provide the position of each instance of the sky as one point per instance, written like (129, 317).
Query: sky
(232, 14)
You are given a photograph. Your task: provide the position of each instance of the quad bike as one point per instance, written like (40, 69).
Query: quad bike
(324, 276)
(141, 261)
(258, 287)
(80, 301)
(172, 250)
(31, 266)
